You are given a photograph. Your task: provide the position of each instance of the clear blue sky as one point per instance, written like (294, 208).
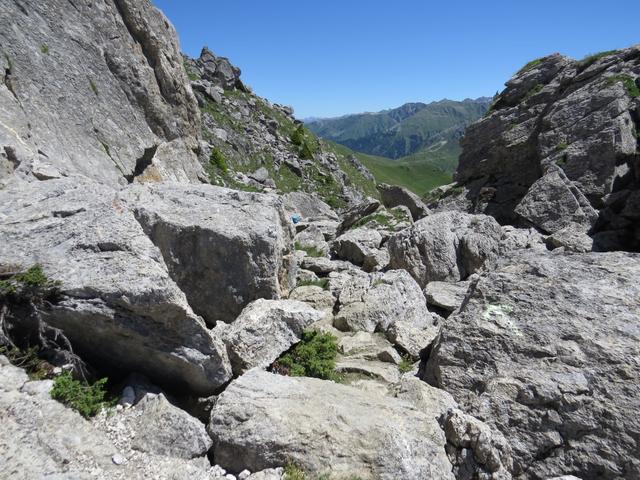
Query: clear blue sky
(331, 57)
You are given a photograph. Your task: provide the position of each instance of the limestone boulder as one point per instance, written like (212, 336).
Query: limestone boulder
(446, 246)
(262, 420)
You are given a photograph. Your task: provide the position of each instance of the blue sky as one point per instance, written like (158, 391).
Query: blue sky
(332, 57)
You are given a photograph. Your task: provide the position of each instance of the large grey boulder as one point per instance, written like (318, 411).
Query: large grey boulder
(545, 351)
(446, 246)
(391, 303)
(264, 420)
(357, 246)
(394, 196)
(553, 203)
(308, 206)
(356, 213)
(118, 302)
(264, 330)
(92, 89)
(223, 248)
(163, 429)
(445, 295)
(219, 70)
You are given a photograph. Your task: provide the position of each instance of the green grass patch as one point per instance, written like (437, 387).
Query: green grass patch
(314, 356)
(310, 250)
(87, 399)
(406, 365)
(629, 84)
(93, 87)
(562, 146)
(322, 283)
(531, 65)
(589, 60)
(28, 285)
(44, 48)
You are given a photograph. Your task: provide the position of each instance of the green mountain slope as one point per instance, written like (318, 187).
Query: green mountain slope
(424, 132)
(414, 174)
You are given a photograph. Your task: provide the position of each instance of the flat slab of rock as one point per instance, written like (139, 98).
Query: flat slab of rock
(553, 341)
(446, 246)
(357, 212)
(224, 248)
(445, 295)
(119, 301)
(264, 330)
(262, 420)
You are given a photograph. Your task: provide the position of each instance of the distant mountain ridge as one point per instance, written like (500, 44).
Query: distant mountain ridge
(423, 131)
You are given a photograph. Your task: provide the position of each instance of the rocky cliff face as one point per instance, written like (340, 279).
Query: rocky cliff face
(96, 89)
(561, 141)
(446, 345)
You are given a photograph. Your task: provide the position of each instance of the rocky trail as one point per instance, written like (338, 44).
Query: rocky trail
(163, 226)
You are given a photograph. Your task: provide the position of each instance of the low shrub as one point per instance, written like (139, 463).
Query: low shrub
(314, 356)
(87, 399)
(406, 365)
(217, 160)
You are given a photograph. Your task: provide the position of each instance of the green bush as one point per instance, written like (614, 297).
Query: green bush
(28, 285)
(217, 160)
(405, 365)
(305, 151)
(297, 137)
(314, 356)
(322, 283)
(293, 472)
(311, 251)
(87, 399)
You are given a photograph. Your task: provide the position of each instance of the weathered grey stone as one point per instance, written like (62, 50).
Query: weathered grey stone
(394, 196)
(376, 370)
(40, 438)
(553, 341)
(224, 248)
(103, 85)
(314, 295)
(308, 206)
(445, 295)
(368, 346)
(262, 420)
(219, 70)
(573, 238)
(312, 238)
(446, 246)
(380, 301)
(264, 330)
(553, 203)
(119, 303)
(356, 245)
(163, 429)
(358, 212)
(319, 265)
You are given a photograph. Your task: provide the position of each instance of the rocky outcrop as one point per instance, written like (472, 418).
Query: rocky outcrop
(447, 246)
(545, 351)
(223, 248)
(361, 246)
(92, 89)
(264, 330)
(119, 304)
(325, 428)
(561, 141)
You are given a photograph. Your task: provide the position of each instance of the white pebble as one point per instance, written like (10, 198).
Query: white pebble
(118, 459)
(244, 474)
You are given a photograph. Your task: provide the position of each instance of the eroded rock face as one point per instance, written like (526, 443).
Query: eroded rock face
(446, 246)
(119, 303)
(224, 248)
(578, 116)
(101, 86)
(546, 352)
(325, 428)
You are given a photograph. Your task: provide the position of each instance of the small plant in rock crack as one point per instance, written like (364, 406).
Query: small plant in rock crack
(406, 364)
(28, 285)
(314, 356)
(310, 250)
(87, 399)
